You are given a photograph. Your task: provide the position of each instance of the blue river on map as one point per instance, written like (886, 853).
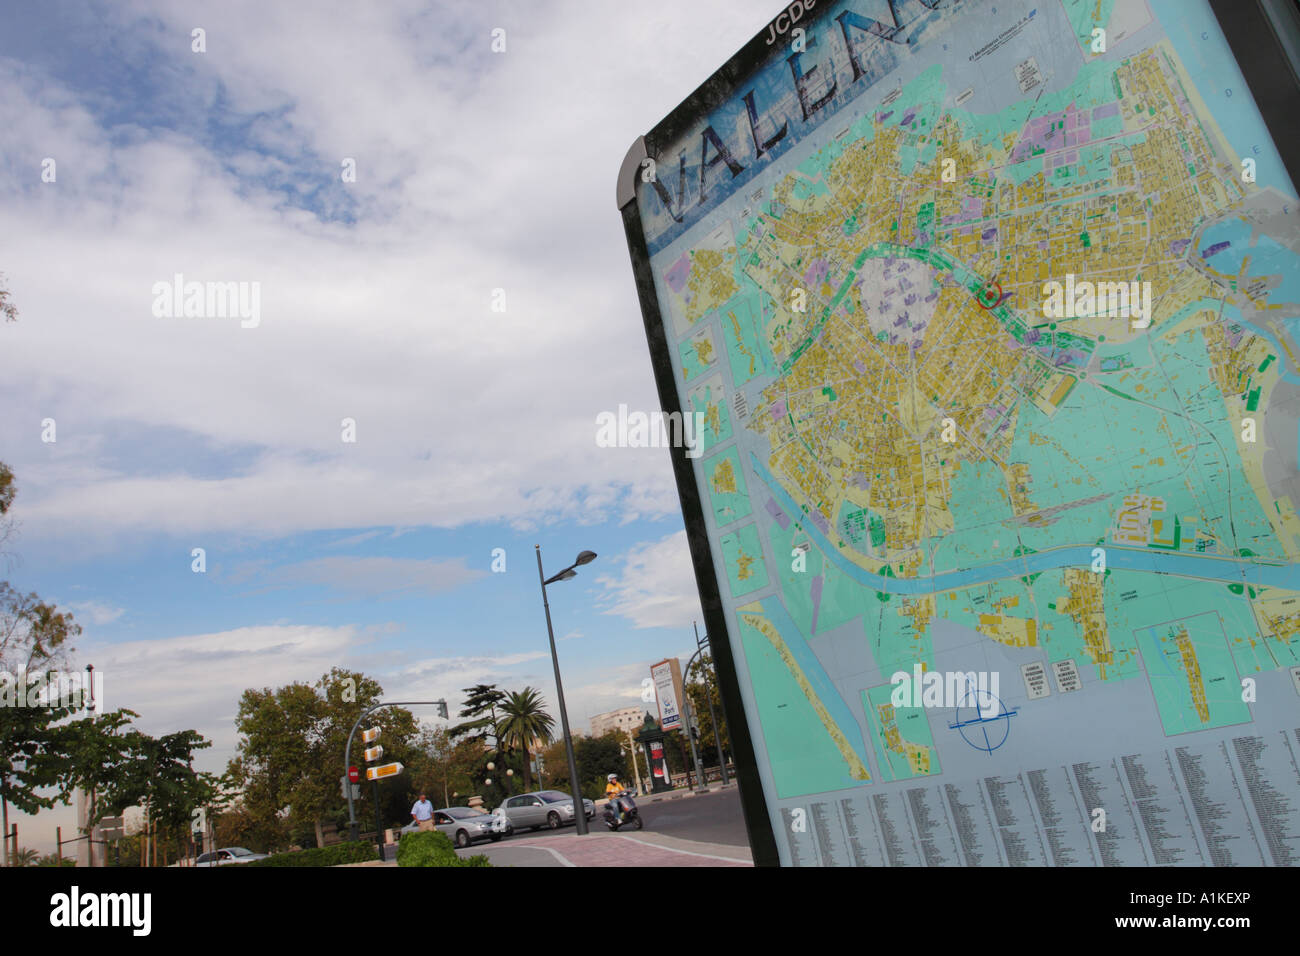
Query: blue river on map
(1075, 556)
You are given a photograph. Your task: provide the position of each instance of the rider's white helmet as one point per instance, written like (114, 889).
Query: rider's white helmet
(612, 777)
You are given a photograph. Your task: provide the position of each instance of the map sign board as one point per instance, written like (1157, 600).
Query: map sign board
(990, 310)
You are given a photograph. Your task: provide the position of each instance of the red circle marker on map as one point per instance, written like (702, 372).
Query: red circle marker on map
(997, 296)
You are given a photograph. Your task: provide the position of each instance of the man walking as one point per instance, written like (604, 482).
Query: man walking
(422, 812)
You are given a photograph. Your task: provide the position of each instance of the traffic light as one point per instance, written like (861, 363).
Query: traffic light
(442, 709)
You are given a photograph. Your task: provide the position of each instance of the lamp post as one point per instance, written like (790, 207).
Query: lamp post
(700, 644)
(636, 767)
(585, 557)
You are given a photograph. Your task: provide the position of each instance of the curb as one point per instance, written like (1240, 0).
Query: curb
(656, 798)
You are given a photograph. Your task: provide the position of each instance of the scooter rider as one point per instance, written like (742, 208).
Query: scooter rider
(612, 791)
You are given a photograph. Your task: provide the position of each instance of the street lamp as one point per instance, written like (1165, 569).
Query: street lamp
(584, 557)
(700, 644)
(488, 780)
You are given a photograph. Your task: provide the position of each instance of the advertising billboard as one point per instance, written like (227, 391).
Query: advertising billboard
(667, 677)
(990, 313)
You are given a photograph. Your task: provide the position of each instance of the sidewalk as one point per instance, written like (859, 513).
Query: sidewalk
(712, 787)
(603, 848)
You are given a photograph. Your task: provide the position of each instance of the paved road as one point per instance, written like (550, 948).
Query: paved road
(712, 818)
(605, 849)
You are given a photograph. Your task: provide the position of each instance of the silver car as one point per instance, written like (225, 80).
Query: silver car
(543, 808)
(465, 825)
(228, 855)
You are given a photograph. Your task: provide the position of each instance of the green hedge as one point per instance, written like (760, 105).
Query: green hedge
(358, 852)
(431, 848)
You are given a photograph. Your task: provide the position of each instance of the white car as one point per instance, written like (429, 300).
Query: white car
(227, 856)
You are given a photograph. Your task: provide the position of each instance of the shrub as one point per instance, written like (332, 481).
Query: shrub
(350, 852)
(431, 848)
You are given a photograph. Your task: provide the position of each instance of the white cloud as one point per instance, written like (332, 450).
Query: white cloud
(96, 612)
(373, 576)
(475, 172)
(656, 587)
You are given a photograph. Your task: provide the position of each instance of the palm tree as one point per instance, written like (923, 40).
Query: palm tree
(524, 722)
(24, 857)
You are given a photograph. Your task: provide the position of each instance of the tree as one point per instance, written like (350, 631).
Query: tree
(522, 722)
(7, 308)
(33, 634)
(290, 753)
(441, 766)
(702, 687)
(25, 857)
(481, 703)
(161, 778)
(597, 757)
(95, 756)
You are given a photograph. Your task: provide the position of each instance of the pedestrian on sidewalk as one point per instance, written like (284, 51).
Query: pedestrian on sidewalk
(422, 812)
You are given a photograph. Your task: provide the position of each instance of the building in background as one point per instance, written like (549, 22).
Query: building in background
(623, 720)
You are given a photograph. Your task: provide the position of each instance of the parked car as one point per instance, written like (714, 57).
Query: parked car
(465, 825)
(227, 856)
(543, 808)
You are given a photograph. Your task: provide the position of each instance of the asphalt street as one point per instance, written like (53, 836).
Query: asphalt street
(712, 818)
(709, 818)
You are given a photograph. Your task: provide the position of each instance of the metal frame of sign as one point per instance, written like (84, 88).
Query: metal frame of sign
(1264, 36)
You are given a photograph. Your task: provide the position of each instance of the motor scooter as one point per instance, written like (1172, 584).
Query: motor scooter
(631, 817)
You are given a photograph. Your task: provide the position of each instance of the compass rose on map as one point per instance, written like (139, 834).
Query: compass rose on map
(982, 719)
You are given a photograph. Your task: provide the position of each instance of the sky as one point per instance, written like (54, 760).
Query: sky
(466, 304)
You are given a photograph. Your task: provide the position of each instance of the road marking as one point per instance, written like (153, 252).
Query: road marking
(535, 846)
(710, 856)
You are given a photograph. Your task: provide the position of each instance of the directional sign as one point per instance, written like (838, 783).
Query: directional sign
(386, 770)
(370, 736)
(374, 753)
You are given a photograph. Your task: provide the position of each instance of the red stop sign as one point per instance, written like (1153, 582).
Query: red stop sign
(353, 774)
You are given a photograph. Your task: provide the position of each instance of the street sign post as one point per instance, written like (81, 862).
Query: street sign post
(369, 736)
